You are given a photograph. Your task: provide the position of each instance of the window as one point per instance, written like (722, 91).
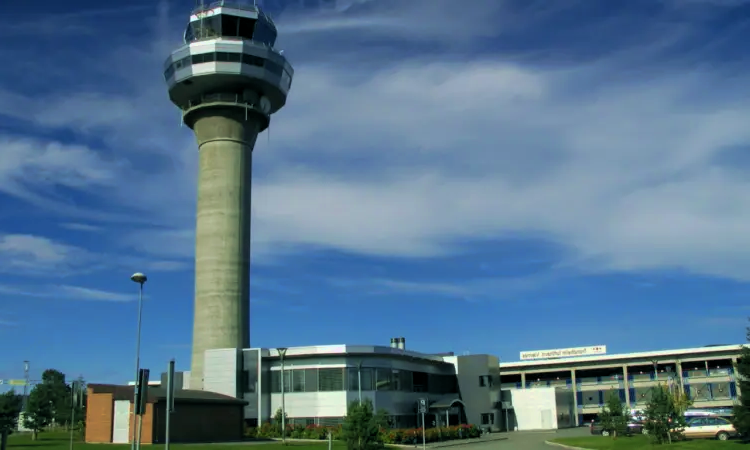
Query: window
(229, 25)
(488, 419)
(331, 379)
(311, 380)
(298, 381)
(368, 379)
(273, 68)
(482, 382)
(407, 382)
(353, 378)
(252, 60)
(396, 379)
(246, 28)
(383, 379)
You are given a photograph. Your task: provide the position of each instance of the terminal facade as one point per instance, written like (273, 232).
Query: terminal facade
(321, 381)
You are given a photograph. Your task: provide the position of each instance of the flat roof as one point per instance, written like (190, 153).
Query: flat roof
(342, 349)
(685, 352)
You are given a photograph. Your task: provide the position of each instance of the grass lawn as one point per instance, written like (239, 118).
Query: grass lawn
(642, 443)
(61, 441)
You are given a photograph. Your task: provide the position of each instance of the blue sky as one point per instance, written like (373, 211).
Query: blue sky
(507, 176)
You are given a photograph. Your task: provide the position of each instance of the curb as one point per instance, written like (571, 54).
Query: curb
(569, 447)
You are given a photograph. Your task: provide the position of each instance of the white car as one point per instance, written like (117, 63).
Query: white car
(709, 427)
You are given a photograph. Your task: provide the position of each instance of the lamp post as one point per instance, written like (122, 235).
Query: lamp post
(25, 385)
(282, 353)
(359, 381)
(141, 280)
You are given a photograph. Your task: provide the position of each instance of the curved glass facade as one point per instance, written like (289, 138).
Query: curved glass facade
(232, 27)
(243, 58)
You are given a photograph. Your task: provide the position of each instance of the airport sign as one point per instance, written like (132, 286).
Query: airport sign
(13, 382)
(564, 353)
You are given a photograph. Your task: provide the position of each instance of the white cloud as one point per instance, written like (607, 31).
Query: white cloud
(23, 253)
(417, 156)
(80, 227)
(66, 292)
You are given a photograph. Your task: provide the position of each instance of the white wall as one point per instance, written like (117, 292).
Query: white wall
(312, 404)
(220, 369)
(535, 409)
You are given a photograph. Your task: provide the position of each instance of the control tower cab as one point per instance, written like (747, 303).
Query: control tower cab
(229, 60)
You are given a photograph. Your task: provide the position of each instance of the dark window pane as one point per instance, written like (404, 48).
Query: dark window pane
(209, 57)
(275, 381)
(234, 57)
(247, 26)
(383, 380)
(197, 59)
(298, 380)
(353, 379)
(229, 25)
(222, 56)
(331, 379)
(264, 33)
(311, 380)
(252, 60)
(273, 68)
(368, 382)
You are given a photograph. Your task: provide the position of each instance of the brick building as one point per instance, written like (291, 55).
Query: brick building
(199, 416)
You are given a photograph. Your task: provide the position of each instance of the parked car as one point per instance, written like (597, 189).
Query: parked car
(634, 427)
(709, 428)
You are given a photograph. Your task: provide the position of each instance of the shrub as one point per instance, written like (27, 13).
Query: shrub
(403, 436)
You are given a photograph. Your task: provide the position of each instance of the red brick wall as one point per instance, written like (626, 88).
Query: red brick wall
(99, 416)
(147, 430)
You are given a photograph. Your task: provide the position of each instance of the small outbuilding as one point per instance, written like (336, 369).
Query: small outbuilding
(199, 416)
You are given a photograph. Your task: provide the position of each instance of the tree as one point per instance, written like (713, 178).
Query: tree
(39, 410)
(615, 415)
(741, 420)
(59, 394)
(361, 428)
(665, 420)
(10, 409)
(277, 420)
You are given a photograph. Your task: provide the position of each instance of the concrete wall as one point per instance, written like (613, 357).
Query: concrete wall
(477, 398)
(221, 371)
(535, 409)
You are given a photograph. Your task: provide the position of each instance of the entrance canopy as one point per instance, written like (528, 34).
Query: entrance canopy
(446, 402)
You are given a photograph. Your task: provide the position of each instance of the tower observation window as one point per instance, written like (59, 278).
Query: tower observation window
(229, 26)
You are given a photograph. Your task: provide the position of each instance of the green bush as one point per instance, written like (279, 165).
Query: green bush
(407, 436)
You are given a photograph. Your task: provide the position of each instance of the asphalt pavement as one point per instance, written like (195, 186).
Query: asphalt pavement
(521, 440)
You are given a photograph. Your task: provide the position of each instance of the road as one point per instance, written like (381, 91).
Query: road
(521, 440)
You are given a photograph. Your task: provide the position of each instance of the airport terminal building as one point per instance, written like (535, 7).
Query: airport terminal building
(545, 390)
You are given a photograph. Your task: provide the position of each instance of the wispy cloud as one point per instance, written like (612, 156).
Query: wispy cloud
(80, 227)
(7, 323)
(66, 292)
(421, 151)
(477, 289)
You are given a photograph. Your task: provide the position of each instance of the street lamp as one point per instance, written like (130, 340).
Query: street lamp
(141, 280)
(25, 385)
(282, 353)
(359, 381)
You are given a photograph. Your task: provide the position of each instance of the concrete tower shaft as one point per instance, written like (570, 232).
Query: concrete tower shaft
(222, 233)
(227, 79)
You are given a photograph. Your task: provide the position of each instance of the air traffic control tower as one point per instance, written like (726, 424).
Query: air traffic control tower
(227, 79)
